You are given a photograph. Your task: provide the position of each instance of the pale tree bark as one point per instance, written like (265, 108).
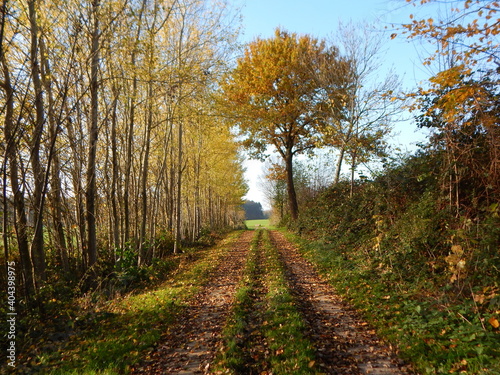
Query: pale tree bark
(144, 183)
(178, 210)
(131, 125)
(115, 173)
(77, 174)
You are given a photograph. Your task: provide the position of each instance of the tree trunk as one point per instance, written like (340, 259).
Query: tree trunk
(55, 195)
(128, 164)
(338, 167)
(130, 135)
(115, 175)
(77, 177)
(353, 170)
(178, 211)
(144, 183)
(37, 245)
(91, 192)
(292, 195)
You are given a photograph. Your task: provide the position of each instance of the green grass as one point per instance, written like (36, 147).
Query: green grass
(113, 338)
(257, 224)
(233, 358)
(291, 351)
(283, 328)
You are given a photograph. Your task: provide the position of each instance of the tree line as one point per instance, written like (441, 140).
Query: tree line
(110, 138)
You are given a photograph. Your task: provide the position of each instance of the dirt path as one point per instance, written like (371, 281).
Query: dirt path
(190, 345)
(344, 343)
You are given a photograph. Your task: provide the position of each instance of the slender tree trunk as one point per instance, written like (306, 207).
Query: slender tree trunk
(338, 167)
(77, 176)
(37, 245)
(128, 163)
(178, 211)
(91, 192)
(144, 182)
(353, 169)
(292, 195)
(115, 175)
(172, 189)
(340, 160)
(130, 135)
(56, 206)
(197, 199)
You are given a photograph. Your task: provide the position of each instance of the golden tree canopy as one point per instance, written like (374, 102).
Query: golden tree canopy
(274, 96)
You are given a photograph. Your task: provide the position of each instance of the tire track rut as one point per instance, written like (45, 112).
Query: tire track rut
(190, 345)
(344, 343)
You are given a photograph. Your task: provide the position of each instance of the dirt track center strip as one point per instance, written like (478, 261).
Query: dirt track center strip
(287, 320)
(265, 332)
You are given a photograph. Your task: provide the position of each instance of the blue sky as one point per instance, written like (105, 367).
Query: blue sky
(316, 17)
(320, 18)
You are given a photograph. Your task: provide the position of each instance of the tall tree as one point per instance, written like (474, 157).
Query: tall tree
(360, 102)
(275, 99)
(363, 114)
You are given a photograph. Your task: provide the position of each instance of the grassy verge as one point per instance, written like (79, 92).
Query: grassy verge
(437, 335)
(287, 349)
(112, 338)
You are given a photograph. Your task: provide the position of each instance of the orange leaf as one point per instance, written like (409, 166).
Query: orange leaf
(494, 322)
